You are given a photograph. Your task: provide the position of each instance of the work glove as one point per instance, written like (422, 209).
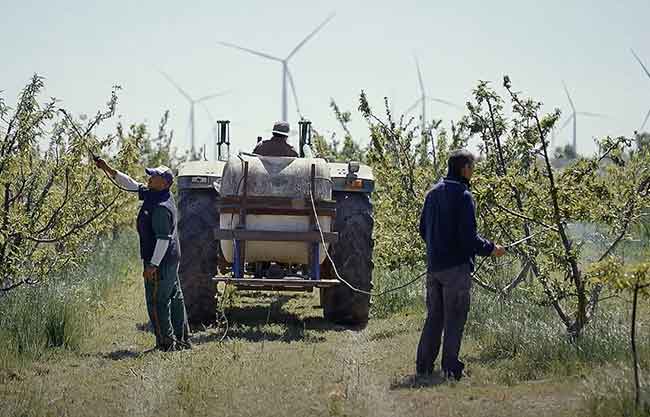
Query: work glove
(101, 164)
(151, 273)
(498, 251)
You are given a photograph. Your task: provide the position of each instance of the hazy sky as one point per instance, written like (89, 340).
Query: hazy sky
(83, 48)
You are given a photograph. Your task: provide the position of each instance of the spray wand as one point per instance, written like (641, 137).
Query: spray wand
(509, 246)
(94, 157)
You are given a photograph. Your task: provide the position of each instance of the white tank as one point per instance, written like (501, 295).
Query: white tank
(276, 177)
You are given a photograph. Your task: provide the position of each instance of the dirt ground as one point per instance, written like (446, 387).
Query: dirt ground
(280, 358)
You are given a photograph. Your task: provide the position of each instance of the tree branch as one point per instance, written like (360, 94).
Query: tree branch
(74, 228)
(61, 206)
(484, 285)
(523, 217)
(518, 279)
(554, 302)
(566, 242)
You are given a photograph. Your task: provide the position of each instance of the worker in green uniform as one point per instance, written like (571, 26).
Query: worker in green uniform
(160, 253)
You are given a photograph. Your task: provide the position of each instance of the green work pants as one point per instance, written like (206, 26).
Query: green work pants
(166, 306)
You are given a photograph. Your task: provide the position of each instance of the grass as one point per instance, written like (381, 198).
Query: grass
(513, 341)
(408, 299)
(281, 358)
(609, 393)
(290, 362)
(57, 314)
(530, 342)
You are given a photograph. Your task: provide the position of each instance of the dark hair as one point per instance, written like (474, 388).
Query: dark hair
(457, 161)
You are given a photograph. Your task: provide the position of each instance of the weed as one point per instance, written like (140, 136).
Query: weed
(609, 393)
(407, 299)
(525, 341)
(56, 315)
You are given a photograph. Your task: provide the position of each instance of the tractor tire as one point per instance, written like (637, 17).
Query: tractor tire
(352, 255)
(200, 253)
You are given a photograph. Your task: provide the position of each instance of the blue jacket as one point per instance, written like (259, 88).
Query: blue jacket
(448, 226)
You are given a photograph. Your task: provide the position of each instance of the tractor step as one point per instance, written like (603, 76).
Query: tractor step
(271, 284)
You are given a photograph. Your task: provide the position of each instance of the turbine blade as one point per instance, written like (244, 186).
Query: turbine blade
(293, 90)
(565, 124)
(566, 90)
(209, 96)
(641, 62)
(300, 45)
(178, 87)
(590, 114)
(414, 105)
(209, 113)
(250, 51)
(647, 116)
(417, 65)
(448, 103)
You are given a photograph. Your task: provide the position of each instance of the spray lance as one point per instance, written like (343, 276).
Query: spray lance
(94, 157)
(510, 246)
(507, 247)
(81, 136)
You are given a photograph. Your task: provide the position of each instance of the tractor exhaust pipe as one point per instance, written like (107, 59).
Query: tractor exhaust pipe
(304, 130)
(223, 138)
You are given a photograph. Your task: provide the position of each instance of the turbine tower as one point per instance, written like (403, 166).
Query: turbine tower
(645, 69)
(192, 101)
(286, 73)
(424, 98)
(213, 124)
(574, 116)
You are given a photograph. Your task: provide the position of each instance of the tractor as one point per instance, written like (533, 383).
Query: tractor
(276, 223)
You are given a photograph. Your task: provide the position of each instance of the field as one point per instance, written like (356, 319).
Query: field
(279, 357)
(549, 331)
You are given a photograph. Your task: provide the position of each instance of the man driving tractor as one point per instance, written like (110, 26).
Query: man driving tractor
(276, 145)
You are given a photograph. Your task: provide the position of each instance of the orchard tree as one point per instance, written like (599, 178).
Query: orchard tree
(335, 151)
(520, 194)
(53, 203)
(404, 169)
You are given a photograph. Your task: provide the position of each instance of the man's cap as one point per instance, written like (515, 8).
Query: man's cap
(161, 171)
(281, 129)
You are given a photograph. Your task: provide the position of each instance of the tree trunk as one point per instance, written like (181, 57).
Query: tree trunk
(635, 354)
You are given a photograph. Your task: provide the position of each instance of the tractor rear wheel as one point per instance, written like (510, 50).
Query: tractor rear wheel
(200, 252)
(352, 255)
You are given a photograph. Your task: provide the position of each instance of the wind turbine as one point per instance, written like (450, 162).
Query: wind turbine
(424, 98)
(647, 116)
(286, 73)
(423, 101)
(214, 125)
(573, 118)
(192, 101)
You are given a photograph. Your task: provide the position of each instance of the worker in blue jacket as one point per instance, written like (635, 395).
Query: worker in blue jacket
(448, 226)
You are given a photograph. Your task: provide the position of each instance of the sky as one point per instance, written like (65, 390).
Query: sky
(84, 48)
